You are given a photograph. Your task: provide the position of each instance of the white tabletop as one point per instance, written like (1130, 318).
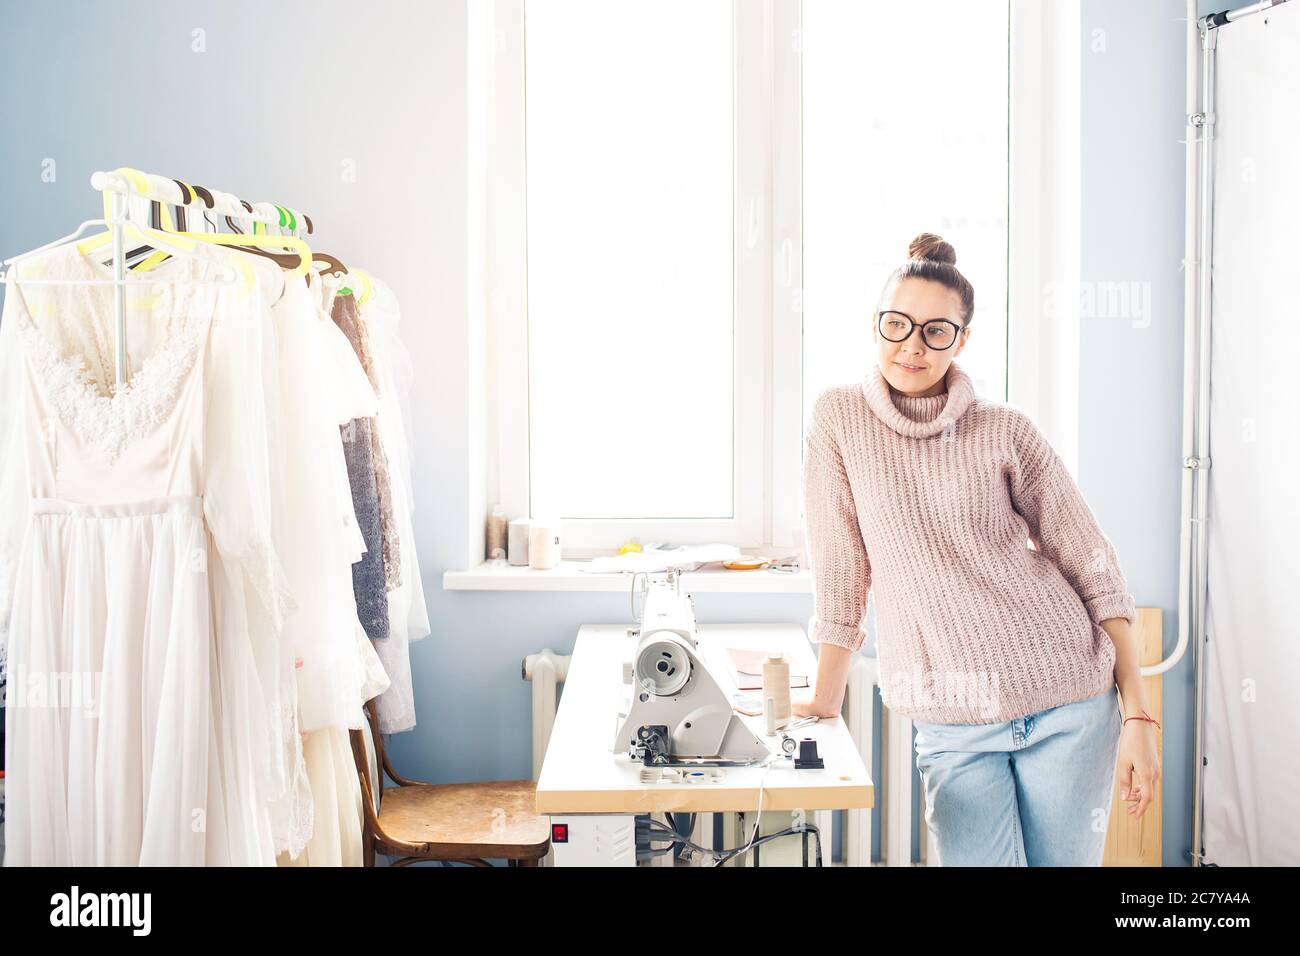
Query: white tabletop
(581, 774)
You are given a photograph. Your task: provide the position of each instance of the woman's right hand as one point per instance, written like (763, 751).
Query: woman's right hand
(826, 696)
(804, 703)
(801, 703)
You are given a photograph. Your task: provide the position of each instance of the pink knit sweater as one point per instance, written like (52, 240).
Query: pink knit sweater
(932, 503)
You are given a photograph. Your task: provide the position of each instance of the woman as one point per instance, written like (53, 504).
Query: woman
(1006, 658)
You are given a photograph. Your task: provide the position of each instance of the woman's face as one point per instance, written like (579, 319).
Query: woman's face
(923, 300)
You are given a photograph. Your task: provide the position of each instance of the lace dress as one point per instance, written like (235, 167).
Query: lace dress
(137, 573)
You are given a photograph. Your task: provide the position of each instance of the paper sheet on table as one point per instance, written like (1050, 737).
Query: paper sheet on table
(688, 558)
(747, 668)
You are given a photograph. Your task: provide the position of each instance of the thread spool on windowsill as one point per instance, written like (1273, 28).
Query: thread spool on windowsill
(517, 542)
(544, 544)
(496, 535)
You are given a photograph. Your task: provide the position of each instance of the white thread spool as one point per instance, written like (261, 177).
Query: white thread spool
(543, 544)
(776, 688)
(517, 542)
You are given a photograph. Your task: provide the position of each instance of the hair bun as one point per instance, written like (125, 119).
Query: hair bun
(929, 246)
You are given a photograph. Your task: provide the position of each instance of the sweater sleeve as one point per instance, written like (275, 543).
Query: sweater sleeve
(840, 568)
(1064, 529)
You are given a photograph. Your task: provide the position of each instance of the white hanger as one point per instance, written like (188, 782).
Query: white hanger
(156, 239)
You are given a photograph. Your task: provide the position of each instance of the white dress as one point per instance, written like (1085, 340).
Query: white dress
(134, 551)
(322, 386)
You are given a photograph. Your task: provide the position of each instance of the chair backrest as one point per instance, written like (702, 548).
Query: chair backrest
(374, 756)
(369, 758)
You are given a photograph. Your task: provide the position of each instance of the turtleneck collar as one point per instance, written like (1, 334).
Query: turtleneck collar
(917, 416)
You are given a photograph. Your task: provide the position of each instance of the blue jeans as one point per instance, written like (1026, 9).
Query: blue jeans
(1034, 791)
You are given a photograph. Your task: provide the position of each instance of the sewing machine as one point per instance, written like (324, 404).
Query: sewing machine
(675, 712)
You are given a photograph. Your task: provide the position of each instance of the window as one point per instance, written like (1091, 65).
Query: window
(905, 130)
(630, 260)
(692, 207)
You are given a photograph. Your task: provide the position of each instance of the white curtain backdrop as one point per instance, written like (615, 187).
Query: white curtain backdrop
(1252, 743)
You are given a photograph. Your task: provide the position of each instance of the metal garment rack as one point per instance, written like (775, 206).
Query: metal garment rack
(1198, 308)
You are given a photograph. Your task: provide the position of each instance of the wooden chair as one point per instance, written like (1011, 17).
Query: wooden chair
(456, 822)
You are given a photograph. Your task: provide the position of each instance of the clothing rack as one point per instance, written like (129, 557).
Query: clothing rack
(1215, 20)
(119, 186)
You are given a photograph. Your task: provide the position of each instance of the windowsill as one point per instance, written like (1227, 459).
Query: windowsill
(569, 576)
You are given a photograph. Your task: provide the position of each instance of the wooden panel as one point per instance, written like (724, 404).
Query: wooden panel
(1132, 842)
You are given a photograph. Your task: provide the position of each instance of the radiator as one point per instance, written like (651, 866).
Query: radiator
(859, 714)
(547, 670)
(894, 788)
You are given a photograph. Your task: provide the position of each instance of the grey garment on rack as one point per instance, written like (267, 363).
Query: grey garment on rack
(346, 315)
(368, 581)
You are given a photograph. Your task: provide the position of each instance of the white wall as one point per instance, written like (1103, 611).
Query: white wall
(1131, 366)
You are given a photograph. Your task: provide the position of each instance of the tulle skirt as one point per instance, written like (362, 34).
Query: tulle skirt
(135, 732)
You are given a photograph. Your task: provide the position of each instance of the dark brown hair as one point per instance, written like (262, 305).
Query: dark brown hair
(930, 257)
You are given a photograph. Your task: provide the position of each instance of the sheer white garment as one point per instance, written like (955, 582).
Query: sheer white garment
(408, 614)
(383, 316)
(322, 387)
(291, 801)
(353, 397)
(138, 571)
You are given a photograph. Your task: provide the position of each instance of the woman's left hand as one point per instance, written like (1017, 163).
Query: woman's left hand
(1139, 765)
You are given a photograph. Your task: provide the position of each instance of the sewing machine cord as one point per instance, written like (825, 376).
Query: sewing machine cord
(721, 857)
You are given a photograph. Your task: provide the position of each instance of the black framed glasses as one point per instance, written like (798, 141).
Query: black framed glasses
(897, 327)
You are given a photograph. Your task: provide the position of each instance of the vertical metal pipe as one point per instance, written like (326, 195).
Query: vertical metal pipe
(119, 289)
(1201, 476)
(1191, 313)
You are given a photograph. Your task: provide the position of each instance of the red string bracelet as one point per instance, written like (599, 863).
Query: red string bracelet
(1143, 716)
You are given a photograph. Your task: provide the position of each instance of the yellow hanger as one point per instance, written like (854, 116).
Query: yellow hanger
(367, 285)
(178, 240)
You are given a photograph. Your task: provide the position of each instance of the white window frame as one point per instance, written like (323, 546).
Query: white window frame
(1045, 219)
(768, 274)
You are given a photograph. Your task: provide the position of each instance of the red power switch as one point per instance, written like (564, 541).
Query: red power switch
(559, 833)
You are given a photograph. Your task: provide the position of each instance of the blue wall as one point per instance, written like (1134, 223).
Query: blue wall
(1131, 372)
(284, 93)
